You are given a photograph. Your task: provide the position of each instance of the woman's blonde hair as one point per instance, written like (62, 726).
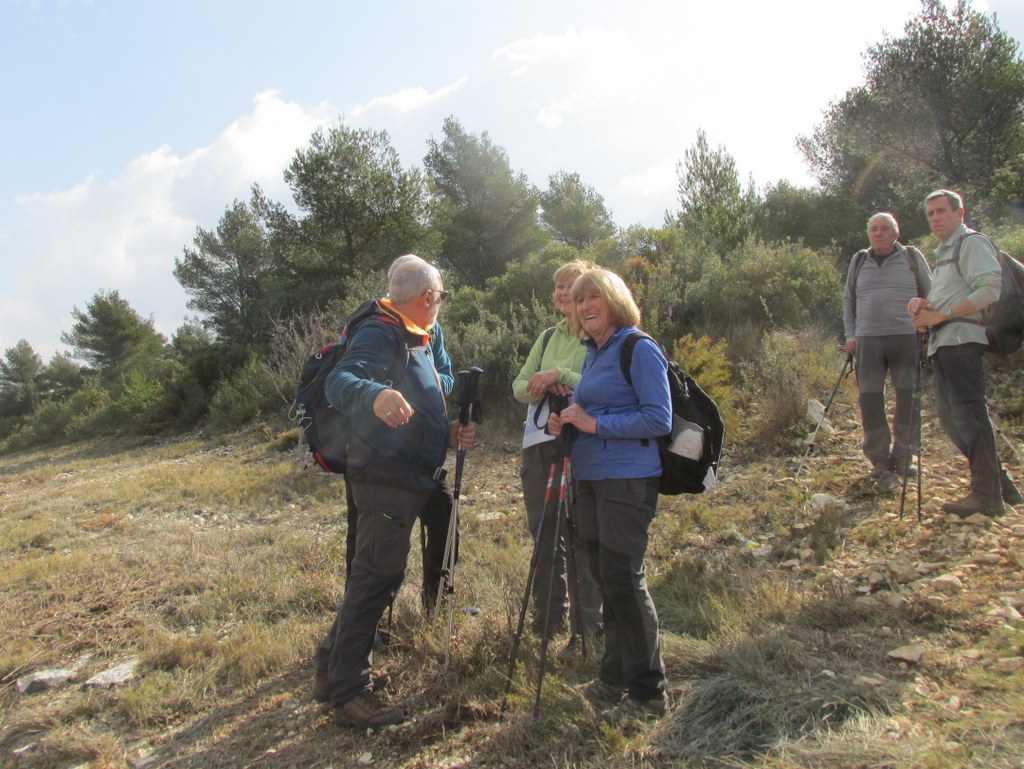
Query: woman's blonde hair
(622, 307)
(576, 267)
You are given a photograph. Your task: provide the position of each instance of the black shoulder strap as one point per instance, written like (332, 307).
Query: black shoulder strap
(855, 264)
(626, 352)
(547, 338)
(955, 258)
(368, 312)
(915, 267)
(858, 262)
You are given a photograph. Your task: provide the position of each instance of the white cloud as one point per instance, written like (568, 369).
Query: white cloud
(409, 99)
(124, 233)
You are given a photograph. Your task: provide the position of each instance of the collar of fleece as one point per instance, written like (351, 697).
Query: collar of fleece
(412, 328)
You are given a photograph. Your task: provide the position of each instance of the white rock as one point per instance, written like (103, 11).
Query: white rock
(910, 653)
(948, 584)
(821, 501)
(42, 680)
(115, 676)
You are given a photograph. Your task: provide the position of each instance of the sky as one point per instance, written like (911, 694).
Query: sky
(127, 124)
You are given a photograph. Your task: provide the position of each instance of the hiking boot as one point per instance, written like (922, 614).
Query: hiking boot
(888, 481)
(568, 652)
(901, 468)
(877, 472)
(367, 712)
(968, 506)
(631, 713)
(321, 693)
(600, 694)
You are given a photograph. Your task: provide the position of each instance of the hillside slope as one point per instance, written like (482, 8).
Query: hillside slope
(806, 622)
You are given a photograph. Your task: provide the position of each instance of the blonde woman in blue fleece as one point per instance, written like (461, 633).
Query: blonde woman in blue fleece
(616, 464)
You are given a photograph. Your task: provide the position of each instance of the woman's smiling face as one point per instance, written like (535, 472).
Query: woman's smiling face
(594, 316)
(563, 294)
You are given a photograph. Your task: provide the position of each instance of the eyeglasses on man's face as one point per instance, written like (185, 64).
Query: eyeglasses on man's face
(442, 295)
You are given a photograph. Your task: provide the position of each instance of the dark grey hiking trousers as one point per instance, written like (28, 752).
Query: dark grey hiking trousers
(898, 356)
(963, 413)
(614, 516)
(386, 518)
(586, 618)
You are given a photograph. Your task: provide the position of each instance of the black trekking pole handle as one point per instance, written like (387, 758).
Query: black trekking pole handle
(468, 398)
(556, 404)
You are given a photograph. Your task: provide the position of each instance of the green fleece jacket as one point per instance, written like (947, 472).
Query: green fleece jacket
(563, 352)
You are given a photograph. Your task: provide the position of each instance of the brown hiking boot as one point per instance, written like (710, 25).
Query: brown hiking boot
(365, 711)
(631, 713)
(378, 678)
(970, 505)
(888, 481)
(600, 694)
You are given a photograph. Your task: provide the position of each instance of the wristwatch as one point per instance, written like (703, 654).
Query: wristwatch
(948, 312)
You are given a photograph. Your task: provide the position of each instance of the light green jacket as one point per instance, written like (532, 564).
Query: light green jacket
(563, 352)
(978, 279)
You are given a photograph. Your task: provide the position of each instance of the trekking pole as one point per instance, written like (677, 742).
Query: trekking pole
(814, 435)
(576, 627)
(559, 510)
(531, 575)
(469, 411)
(999, 431)
(915, 424)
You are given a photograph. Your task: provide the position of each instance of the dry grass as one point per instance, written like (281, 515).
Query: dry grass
(217, 563)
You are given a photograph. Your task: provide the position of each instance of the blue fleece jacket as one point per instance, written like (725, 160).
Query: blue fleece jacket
(629, 417)
(376, 360)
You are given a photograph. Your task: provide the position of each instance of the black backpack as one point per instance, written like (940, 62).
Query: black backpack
(325, 430)
(697, 429)
(1004, 318)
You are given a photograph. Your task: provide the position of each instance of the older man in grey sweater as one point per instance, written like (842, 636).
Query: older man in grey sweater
(881, 281)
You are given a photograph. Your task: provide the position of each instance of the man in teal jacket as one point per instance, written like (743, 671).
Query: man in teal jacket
(388, 382)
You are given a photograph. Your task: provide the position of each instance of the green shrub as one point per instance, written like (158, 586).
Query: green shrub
(772, 285)
(143, 406)
(791, 367)
(55, 422)
(248, 394)
(496, 339)
(706, 361)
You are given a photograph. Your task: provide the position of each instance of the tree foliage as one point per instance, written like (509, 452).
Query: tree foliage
(360, 209)
(20, 373)
(487, 214)
(112, 338)
(715, 212)
(818, 219)
(941, 106)
(574, 212)
(227, 275)
(61, 378)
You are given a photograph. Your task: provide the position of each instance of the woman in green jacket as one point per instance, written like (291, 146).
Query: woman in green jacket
(553, 369)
